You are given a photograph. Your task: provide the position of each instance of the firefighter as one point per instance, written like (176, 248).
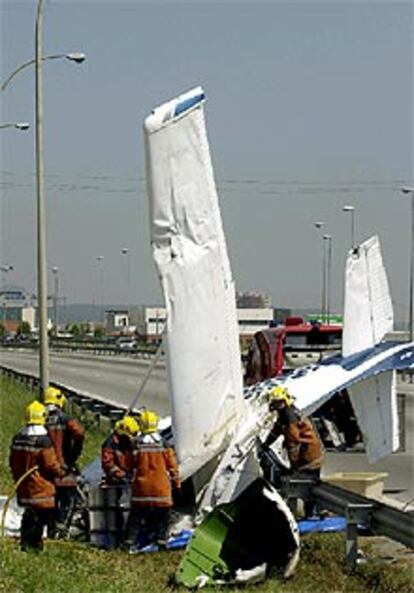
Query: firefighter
(116, 461)
(301, 440)
(116, 452)
(34, 465)
(67, 436)
(155, 477)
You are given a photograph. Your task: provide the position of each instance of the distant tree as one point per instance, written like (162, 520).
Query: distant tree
(74, 330)
(24, 329)
(98, 332)
(2, 330)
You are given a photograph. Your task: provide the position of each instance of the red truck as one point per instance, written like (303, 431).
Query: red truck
(289, 346)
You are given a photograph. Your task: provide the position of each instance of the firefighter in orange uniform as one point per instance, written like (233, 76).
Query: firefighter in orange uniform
(301, 440)
(67, 436)
(155, 477)
(34, 466)
(116, 461)
(116, 452)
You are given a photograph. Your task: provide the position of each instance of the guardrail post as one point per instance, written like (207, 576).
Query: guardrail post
(294, 488)
(356, 514)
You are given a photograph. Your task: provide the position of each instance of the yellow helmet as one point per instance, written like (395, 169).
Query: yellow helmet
(54, 396)
(148, 421)
(279, 395)
(36, 413)
(127, 426)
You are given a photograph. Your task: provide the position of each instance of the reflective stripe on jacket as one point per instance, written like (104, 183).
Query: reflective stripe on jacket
(67, 436)
(116, 458)
(155, 472)
(26, 451)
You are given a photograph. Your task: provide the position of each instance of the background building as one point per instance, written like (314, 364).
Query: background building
(16, 306)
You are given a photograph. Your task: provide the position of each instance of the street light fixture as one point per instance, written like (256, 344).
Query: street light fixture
(5, 269)
(351, 209)
(328, 240)
(319, 224)
(17, 125)
(410, 190)
(76, 57)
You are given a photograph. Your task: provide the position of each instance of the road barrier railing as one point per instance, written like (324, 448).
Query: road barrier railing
(373, 516)
(85, 403)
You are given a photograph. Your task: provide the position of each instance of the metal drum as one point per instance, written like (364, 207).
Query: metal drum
(108, 506)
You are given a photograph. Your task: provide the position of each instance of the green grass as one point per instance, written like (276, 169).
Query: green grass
(72, 567)
(69, 567)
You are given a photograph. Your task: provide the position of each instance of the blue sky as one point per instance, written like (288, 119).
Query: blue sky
(309, 107)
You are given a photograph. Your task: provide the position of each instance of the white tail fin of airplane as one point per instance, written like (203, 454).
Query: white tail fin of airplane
(189, 248)
(368, 312)
(368, 317)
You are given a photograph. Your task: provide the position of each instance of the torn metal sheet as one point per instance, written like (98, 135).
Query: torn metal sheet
(242, 541)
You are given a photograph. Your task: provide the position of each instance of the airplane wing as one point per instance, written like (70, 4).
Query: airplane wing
(189, 248)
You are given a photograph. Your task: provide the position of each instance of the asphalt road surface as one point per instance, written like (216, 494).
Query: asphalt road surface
(118, 379)
(114, 379)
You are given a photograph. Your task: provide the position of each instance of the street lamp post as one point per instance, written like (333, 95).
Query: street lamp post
(55, 272)
(410, 190)
(41, 206)
(41, 211)
(319, 224)
(18, 126)
(125, 251)
(351, 209)
(99, 262)
(328, 239)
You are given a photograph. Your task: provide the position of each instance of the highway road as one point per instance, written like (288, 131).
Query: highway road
(117, 379)
(114, 379)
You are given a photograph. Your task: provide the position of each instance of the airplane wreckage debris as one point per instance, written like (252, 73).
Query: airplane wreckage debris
(245, 528)
(215, 421)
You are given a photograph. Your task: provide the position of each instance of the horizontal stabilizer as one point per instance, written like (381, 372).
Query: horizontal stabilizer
(375, 405)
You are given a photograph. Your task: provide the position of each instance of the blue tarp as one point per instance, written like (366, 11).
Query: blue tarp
(322, 525)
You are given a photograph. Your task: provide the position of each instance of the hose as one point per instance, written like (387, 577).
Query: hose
(12, 493)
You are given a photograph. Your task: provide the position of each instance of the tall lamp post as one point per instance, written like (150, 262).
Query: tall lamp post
(351, 209)
(41, 207)
(55, 272)
(410, 190)
(18, 126)
(99, 262)
(125, 251)
(319, 224)
(328, 239)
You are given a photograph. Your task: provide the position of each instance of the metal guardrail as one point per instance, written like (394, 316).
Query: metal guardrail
(85, 403)
(361, 512)
(93, 348)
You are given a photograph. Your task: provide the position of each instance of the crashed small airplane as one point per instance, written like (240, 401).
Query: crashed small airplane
(247, 526)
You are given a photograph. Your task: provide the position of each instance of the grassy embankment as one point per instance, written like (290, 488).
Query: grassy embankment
(70, 567)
